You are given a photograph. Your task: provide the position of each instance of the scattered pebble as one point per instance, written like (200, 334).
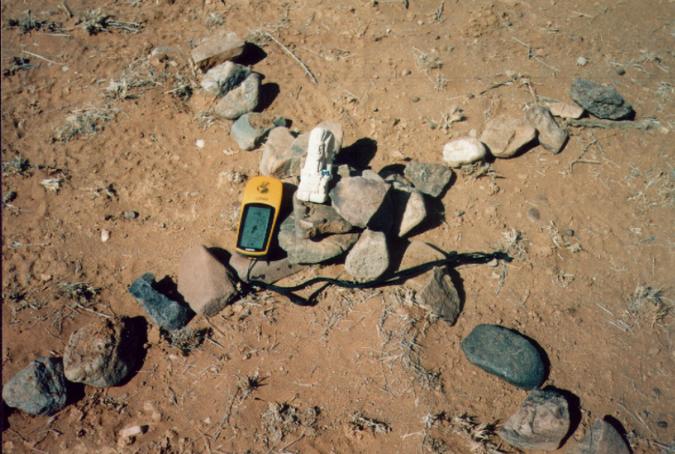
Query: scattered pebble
(603, 101)
(369, 258)
(128, 435)
(105, 235)
(465, 150)
(38, 389)
(165, 312)
(428, 178)
(217, 49)
(130, 215)
(551, 136)
(204, 282)
(506, 354)
(358, 199)
(601, 438)
(100, 354)
(506, 137)
(541, 422)
(200, 143)
(582, 61)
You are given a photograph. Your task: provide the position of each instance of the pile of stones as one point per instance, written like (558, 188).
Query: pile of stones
(341, 211)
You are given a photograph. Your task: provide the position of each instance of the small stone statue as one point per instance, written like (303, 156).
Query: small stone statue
(317, 170)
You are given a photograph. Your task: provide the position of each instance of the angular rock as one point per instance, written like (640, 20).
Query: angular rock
(165, 312)
(279, 156)
(204, 282)
(358, 199)
(603, 101)
(602, 438)
(301, 250)
(100, 354)
(562, 109)
(414, 209)
(369, 258)
(313, 219)
(217, 49)
(505, 137)
(222, 78)
(428, 178)
(37, 389)
(506, 354)
(419, 252)
(240, 100)
(551, 136)
(541, 422)
(268, 271)
(250, 130)
(435, 292)
(465, 150)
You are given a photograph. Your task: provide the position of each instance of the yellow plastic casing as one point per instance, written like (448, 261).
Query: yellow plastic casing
(261, 195)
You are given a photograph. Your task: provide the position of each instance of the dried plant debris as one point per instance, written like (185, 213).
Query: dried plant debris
(28, 23)
(215, 19)
(18, 64)
(479, 436)
(248, 384)
(52, 184)
(282, 419)
(186, 339)
(358, 422)
(139, 75)
(650, 298)
(18, 165)
(78, 291)
(182, 88)
(513, 243)
(96, 21)
(427, 61)
(84, 122)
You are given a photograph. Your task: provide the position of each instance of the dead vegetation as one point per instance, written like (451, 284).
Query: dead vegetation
(478, 436)
(135, 78)
(186, 339)
(96, 21)
(18, 165)
(82, 122)
(18, 64)
(358, 422)
(283, 419)
(27, 23)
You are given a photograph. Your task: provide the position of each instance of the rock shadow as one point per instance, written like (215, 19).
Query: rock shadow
(574, 408)
(359, 154)
(268, 93)
(251, 55)
(132, 346)
(612, 421)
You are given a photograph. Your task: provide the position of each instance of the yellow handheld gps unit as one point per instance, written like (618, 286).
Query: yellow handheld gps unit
(259, 211)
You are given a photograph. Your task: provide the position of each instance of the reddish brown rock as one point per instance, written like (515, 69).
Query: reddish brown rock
(263, 270)
(217, 49)
(204, 282)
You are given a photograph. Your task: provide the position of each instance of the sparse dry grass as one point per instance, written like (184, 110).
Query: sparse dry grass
(83, 122)
(186, 339)
(96, 21)
(358, 422)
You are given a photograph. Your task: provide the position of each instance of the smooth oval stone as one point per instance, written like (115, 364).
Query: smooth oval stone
(506, 354)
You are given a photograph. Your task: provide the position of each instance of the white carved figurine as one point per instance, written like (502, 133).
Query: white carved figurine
(317, 170)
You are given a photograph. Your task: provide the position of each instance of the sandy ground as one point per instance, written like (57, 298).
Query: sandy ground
(591, 229)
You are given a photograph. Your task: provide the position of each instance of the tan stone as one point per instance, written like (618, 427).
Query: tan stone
(505, 137)
(217, 49)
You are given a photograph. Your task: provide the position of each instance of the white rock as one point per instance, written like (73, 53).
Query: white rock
(317, 170)
(199, 143)
(131, 431)
(462, 151)
(564, 110)
(582, 61)
(105, 235)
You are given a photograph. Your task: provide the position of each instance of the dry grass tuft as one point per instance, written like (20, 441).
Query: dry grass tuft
(96, 21)
(18, 165)
(358, 422)
(28, 24)
(186, 339)
(81, 122)
(478, 435)
(282, 419)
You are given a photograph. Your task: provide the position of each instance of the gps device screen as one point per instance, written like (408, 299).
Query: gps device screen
(254, 232)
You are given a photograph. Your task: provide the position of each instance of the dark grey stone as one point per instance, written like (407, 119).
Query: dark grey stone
(600, 100)
(506, 354)
(428, 178)
(438, 295)
(39, 388)
(165, 312)
(251, 129)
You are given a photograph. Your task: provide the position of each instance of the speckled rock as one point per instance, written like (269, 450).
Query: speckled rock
(37, 389)
(100, 354)
(251, 129)
(240, 100)
(280, 158)
(551, 135)
(369, 258)
(222, 78)
(306, 251)
(506, 354)
(603, 101)
(601, 438)
(428, 178)
(165, 312)
(541, 422)
(435, 292)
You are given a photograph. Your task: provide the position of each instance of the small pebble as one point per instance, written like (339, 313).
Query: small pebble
(130, 215)
(200, 143)
(582, 61)
(105, 235)
(620, 70)
(533, 214)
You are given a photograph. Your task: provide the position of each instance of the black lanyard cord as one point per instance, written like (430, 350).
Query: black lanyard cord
(452, 259)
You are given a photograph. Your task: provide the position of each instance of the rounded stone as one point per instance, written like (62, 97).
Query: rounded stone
(37, 389)
(465, 150)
